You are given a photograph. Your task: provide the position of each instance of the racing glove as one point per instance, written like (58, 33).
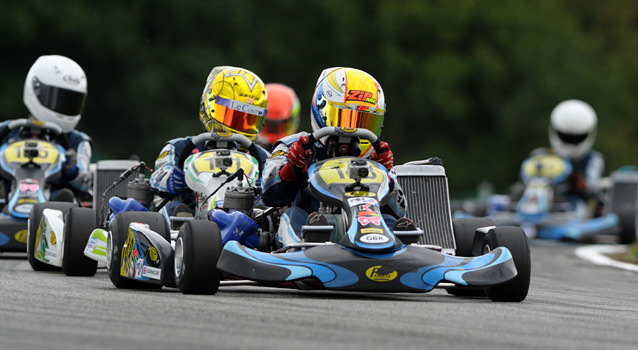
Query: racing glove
(297, 158)
(386, 157)
(176, 181)
(578, 183)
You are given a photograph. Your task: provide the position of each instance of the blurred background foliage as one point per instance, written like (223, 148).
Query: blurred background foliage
(472, 82)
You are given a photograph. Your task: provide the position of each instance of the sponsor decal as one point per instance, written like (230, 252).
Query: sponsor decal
(348, 129)
(371, 230)
(151, 272)
(374, 238)
(357, 201)
(277, 153)
(360, 95)
(365, 220)
(71, 79)
(21, 236)
(162, 155)
(314, 218)
(381, 273)
(364, 210)
(152, 253)
(138, 268)
(53, 239)
(224, 134)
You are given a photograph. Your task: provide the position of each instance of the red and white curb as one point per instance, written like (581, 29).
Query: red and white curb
(597, 254)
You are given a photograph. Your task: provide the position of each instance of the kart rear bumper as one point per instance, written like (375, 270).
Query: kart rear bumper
(409, 269)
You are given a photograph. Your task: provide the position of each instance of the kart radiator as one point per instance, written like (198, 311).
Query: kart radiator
(106, 173)
(426, 191)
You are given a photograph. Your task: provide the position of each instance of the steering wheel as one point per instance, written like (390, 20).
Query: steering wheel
(366, 134)
(212, 136)
(49, 127)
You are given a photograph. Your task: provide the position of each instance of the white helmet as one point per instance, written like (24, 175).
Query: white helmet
(54, 91)
(572, 129)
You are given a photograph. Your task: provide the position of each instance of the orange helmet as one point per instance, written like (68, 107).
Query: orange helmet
(282, 118)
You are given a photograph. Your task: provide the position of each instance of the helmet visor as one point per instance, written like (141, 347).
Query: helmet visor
(573, 139)
(239, 116)
(354, 119)
(60, 100)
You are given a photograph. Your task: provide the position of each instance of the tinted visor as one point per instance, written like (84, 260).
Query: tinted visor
(572, 138)
(60, 100)
(244, 122)
(354, 119)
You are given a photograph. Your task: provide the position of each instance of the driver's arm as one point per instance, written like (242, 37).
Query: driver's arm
(166, 171)
(276, 191)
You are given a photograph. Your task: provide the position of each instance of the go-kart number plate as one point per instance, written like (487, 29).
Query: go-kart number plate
(46, 153)
(334, 171)
(546, 165)
(206, 163)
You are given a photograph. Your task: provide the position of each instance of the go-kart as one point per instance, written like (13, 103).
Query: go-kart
(29, 163)
(543, 212)
(367, 256)
(137, 244)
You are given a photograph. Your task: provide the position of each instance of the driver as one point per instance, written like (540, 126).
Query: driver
(54, 91)
(572, 132)
(344, 97)
(283, 115)
(227, 89)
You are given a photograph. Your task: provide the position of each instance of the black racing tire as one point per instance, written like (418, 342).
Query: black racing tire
(197, 250)
(119, 230)
(464, 229)
(514, 239)
(32, 228)
(78, 225)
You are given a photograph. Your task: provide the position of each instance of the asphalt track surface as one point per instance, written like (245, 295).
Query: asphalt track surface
(572, 304)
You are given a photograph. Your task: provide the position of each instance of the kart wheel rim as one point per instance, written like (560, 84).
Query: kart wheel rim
(179, 257)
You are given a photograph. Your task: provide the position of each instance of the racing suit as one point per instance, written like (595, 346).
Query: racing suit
(165, 165)
(279, 193)
(75, 174)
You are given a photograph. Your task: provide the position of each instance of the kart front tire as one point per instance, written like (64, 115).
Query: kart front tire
(514, 239)
(197, 251)
(35, 217)
(78, 225)
(119, 231)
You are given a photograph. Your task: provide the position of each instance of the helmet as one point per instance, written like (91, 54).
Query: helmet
(282, 118)
(572, 129)
(234, 100)
(54, 91)
(348, 97)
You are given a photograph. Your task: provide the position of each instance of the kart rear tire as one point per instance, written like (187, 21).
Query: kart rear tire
(119, 230)
(514, 239)
(78, 225)
(35, 216)
(197, 250)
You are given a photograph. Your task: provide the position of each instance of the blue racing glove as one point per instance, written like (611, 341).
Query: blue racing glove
(176, 181)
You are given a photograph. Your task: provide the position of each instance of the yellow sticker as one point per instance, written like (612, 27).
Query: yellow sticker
(381, 273)
(224, 133)
(152, 253)
(206, 163)
(348, 129)
(544, 165)
(162, 155)
(47, 153)
(371, 230)
(335, 171)
(277, 153)
(21, 236)
(53, 240)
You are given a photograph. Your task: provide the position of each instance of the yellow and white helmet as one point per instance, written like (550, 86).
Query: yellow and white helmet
(234, 100)
(348, 97)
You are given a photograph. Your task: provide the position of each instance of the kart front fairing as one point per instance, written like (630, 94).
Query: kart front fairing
(412, 268)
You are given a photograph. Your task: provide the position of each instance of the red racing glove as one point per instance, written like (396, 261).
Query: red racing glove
(297, 158)
(386, 157)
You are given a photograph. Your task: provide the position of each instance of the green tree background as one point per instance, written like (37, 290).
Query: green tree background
(472, 82)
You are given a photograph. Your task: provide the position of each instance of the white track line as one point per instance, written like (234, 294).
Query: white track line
(596, 255)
